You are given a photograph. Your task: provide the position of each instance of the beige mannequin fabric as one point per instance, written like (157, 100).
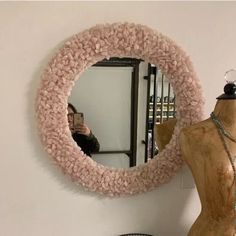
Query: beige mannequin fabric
(204, 153)
(163, 133)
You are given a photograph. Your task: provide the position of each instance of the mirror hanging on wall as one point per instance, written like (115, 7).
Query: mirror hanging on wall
(57, 83)
(114, 124)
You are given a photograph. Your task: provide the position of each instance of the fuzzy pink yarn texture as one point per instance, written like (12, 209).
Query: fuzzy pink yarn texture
(85, 49)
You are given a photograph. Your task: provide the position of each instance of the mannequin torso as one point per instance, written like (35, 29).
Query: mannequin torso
(203, 151)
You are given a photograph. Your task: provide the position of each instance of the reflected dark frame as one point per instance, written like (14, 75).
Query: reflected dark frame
(153, 71)
(134, 63)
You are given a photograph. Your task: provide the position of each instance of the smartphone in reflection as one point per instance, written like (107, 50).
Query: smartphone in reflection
(78, 119)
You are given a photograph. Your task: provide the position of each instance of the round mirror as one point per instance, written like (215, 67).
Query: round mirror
(115, 110)
(122, 40)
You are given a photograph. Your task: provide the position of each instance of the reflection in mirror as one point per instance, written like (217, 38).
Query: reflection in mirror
(115, 101)
(160, 108)
(163, 133)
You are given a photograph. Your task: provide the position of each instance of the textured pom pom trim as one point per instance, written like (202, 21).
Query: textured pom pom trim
(80, 52)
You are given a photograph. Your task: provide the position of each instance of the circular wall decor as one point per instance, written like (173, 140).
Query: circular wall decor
(85, 49)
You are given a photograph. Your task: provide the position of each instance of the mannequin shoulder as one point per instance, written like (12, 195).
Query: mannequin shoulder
(194, 140)
(198, 132)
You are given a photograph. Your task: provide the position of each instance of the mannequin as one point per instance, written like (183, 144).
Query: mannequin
(163, 133)
(203, 150)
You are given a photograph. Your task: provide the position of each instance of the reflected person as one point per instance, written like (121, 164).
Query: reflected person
(82, 134)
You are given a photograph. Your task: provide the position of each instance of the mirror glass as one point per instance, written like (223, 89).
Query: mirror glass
(120, 103)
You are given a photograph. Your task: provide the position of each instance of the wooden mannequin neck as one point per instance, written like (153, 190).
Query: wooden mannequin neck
(225, 110)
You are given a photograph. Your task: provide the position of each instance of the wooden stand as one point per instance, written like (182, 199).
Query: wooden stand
(204, 153)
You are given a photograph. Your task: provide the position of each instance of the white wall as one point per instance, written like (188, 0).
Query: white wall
(35, 199)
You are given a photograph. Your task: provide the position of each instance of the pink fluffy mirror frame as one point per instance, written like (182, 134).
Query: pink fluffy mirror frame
(85, 49)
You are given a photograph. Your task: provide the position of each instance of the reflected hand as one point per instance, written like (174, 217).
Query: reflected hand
(82, 129)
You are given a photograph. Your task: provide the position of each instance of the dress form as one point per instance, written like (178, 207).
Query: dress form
(203, 151)
(164, 132)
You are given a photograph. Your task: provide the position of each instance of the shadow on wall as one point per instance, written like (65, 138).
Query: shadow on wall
(162, 212)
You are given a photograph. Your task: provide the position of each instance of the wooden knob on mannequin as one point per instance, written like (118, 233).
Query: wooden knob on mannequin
(229, 91)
